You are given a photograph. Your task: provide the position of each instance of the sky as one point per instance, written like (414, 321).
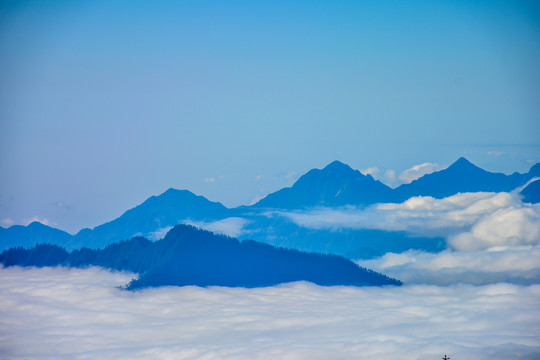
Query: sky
(103, 104)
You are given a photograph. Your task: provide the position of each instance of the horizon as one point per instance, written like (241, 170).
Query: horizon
(104, 103)
(412, 174)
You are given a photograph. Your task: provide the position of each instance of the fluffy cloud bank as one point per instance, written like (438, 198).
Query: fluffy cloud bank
(469, 221)
(517, 265)
(80, 314)
(390, 178)
(417, 171)
(232, 226)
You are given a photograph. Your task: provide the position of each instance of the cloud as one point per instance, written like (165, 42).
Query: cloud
(290, 175)
(79, 314)
(373, 171)
(508, 226)
(517, 265)
(232, 226)
(256, 199)
(159, 233)
(7, 222)
(417, 171)
(210, 180)
(390, 177)
(495, 153)
(61, 205)
(37, 219)
(470, 221)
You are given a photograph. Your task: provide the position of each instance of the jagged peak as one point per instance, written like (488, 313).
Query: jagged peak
(463, 163)
(338, 167)
(337, 164)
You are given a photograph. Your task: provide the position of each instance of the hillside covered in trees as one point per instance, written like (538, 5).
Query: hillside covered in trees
(190, 256)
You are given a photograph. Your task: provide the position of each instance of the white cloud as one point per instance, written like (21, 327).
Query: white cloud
(37, 219)
(417, 171)
(373, 171)
(495, 153)
(390, 177)
(80, 314)
(7, 222)
(290, 175)
(159, 233)
(232, 226)
(258, 178)
(508, 226)
(210, 180)
(518, 265)
(256, 199)
(469, 221)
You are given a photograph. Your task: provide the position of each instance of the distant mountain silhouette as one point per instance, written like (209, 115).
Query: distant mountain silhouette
(463, 176)
(531, 193)
(335, 185)
(350, 243)
(190, 256)
(31, 235)
(157, 212)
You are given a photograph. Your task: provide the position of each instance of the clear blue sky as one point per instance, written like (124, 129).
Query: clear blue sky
(105, 103)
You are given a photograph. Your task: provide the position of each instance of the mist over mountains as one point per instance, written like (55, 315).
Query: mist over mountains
(336, 185)
(190, 256)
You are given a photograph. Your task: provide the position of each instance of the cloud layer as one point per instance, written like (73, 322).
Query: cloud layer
(469, 221)
(232, 226)
(78, 314)
(390, 178)
(517, 265)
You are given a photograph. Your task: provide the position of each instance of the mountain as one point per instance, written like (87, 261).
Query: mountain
(463, 176)
(157, 214)
(280, 231)
(335, 185)
(34, 233)
(190, 256)
(531, 193)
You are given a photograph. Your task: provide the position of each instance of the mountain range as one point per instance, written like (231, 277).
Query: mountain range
(191, 256)
(333, 186)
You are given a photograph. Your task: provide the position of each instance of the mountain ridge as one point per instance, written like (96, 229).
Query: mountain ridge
(337, 184)
(191, 256)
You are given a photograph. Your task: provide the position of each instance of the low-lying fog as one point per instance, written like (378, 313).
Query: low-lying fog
(65, 313)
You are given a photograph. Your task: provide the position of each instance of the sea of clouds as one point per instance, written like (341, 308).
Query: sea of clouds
(479, 299)
(469, 221)
(60, 313)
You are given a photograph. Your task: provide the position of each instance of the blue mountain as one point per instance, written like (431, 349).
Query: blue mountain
(531, 193)
(190, 256)
(335, 185)
(463, 176)
(31, 235)
(157, 212)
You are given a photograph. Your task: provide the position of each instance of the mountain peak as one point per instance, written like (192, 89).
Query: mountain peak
(462, 162)
(336, 164)
(37, 224)
(338, 168)
(535, 170)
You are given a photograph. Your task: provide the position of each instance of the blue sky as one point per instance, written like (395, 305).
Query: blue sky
(103, 104)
